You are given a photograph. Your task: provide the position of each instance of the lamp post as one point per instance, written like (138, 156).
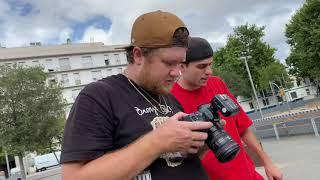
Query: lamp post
(245, 58)
(7, 162)
(289, 108)
(274, 96)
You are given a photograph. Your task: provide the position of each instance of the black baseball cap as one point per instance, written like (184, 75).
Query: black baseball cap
(198, 49)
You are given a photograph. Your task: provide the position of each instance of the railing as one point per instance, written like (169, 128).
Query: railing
(301, 122)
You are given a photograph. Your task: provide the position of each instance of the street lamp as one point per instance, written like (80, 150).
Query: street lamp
(245, 58)
(272, 83)
(7, 162)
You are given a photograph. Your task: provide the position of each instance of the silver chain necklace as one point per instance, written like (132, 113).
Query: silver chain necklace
(163, 109)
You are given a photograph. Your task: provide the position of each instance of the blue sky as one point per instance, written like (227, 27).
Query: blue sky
(52, 22)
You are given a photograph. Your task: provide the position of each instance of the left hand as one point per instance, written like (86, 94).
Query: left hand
(273, 173)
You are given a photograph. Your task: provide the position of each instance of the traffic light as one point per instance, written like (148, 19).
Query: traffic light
(282, 93)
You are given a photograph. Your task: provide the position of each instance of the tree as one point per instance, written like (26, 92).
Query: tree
(303, 33)
(275, 72)
(32, 112)
(245, 41)
(238, 85)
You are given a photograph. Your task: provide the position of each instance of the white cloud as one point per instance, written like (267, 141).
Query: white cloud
(51, 21)
(93, 34)
(65, 34)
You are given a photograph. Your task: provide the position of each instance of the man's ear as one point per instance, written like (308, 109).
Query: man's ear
(137, 55)
(183, 67)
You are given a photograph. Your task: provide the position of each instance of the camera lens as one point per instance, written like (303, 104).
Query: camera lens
(224, 148)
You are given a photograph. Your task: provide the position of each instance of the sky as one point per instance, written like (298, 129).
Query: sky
(54, 21)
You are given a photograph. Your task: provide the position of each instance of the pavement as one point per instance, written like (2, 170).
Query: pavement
(298, 157)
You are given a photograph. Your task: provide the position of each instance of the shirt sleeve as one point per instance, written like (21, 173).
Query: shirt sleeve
(242, 120)
(89, 130)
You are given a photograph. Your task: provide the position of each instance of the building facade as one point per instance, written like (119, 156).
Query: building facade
(72, 65)
(302, 89)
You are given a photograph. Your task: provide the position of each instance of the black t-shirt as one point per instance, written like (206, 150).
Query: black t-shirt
(110, 114)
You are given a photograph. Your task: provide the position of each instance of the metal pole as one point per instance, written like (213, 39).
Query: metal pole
(274, 96)
(314, 127)
(286, 99)
(285, 83)
(253, 88)
(7, 162)
(276, 131)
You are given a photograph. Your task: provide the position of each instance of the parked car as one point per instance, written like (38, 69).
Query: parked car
(15, 174)
(43, 162)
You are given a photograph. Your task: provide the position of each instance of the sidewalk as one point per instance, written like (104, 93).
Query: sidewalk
(297, 156)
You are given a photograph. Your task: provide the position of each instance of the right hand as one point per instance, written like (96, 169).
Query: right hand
(180, 136)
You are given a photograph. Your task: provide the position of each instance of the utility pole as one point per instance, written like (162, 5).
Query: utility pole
(274, 96)
(252, 85)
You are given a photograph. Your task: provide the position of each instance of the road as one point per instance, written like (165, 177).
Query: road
(297, 156)
(51, 174)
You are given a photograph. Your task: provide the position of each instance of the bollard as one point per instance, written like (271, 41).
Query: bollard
(276, 131)
(315, 129)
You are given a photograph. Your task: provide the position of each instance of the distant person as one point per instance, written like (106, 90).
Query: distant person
(127, 126)
(197, 86)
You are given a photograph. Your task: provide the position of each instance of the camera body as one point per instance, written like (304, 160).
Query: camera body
(222, 145)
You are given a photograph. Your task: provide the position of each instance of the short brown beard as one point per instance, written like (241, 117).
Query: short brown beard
(147, 82)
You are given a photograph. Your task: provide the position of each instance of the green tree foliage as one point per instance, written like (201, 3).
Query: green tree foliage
(303, 33)
(238, 85)
(32, 113)
(245, 41)
(274, 72)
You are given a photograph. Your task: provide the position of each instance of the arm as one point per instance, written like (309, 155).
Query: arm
(136, 156)
(173, 136)
(272, 171)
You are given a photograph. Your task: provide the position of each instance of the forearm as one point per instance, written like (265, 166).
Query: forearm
(120, 165)
(251, 141)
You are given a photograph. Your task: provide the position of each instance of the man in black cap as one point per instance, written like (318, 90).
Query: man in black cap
(197, 86)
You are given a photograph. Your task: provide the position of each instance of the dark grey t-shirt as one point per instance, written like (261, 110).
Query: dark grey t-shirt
(110, 114)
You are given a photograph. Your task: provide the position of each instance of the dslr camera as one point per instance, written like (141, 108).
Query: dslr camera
(222, 145)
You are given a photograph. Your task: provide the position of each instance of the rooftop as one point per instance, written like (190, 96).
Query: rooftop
(38, 51)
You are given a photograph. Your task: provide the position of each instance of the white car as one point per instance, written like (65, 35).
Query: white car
(43, 162)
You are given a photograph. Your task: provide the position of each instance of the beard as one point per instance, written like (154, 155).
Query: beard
(152, 84)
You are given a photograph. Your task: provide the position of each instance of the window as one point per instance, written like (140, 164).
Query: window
(64, 64)
(96, 75)
(251, 105)
(308, 91)
(52, 79)
(75, 93)
(117, 58)
(106, 60)
(35, 63)
(294, 95)
(65, 79)
(22, 63)
(265, 102)
(87, 62)
(76, 77)
(279, 98)
(49, 65)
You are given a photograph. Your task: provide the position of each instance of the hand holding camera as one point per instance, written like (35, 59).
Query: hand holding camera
(222, 145)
